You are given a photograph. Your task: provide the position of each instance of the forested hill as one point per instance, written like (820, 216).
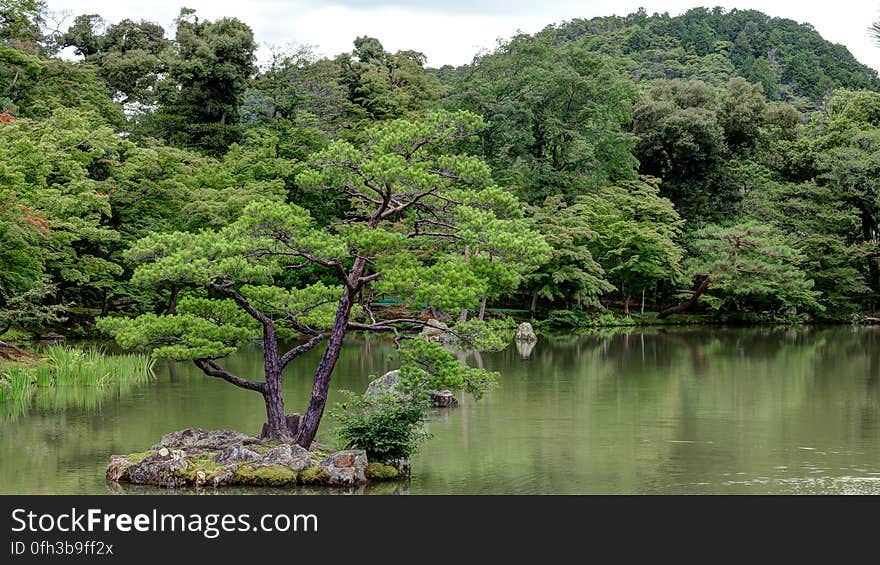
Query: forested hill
(789, 59)
(648, 164)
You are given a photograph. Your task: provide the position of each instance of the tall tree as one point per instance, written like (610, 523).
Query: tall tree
(415, 205)
(752, 268)
(386, 85)
(208, 72)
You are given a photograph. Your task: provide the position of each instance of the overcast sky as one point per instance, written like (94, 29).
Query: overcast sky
(452, 31)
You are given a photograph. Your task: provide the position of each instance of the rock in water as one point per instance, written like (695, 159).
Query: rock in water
(164, 471)
(345, 468)
(442, 399)
(386, 384)
(526, 333)
(117, 469)
(434, 330)
(197, 439)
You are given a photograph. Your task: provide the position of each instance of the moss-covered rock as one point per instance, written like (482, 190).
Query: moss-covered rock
(202, 469)
(313, 476)
(274, 464)
(267, 475)
(381, 471)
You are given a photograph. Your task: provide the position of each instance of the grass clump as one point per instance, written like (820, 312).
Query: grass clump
(73, 366)
(68, 376)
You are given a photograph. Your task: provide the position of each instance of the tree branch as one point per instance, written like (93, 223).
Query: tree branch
(226, 289)
(369, 278)
(212, 369)
(412, 201)
(300, 349)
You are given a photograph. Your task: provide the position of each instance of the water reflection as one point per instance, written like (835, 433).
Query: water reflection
(699, 410)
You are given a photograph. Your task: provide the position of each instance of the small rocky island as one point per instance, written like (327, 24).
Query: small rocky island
(215, 458)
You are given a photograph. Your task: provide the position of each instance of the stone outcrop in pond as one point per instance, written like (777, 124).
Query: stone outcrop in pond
(435, 330)
(387, 384)
(525, 332)
(217, 458)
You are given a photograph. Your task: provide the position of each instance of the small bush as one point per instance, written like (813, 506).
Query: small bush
(580, 319)
(385, 427)
(492, 334)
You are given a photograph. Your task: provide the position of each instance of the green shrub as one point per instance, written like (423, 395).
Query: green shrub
(492, 334)
(580, 319)
(385, 427)
(427, 365)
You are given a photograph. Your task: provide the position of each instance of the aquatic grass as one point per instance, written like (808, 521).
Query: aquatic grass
(69, 377)
(16, 390)
(16, 383)
(92, 367)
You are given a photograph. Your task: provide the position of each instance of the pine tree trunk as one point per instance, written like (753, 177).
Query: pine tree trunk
(172, 300)
(643, 302)
(688, 304)
(276, 422)
(312, 418)
(534, 301)
(463, 313)
(105, 302)
(482, 309)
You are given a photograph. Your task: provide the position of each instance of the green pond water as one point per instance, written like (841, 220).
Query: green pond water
(703, 410)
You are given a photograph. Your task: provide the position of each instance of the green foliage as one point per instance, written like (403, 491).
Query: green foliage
(789, 60)
(427, 365)
(128, 54)
(491, 334)
(578, 319)
(73, 366)
(822, 225)
(386, 427)
(207, 75)
(635, 235)
(157, 169)
(752, 268)
(571, 273)
(68, 366)
(386, 85)
(557, 115)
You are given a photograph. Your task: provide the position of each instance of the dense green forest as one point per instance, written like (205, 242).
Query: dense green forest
(724, 162)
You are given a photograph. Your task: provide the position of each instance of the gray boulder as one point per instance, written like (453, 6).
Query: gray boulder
(345, 468)
(237, 454)
(434, 330)
(289, 455)
(442, 399)
(526, 333)
(164, 469)
(197, 439)
(386, 384)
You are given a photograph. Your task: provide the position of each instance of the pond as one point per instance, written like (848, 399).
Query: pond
(670, 411)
